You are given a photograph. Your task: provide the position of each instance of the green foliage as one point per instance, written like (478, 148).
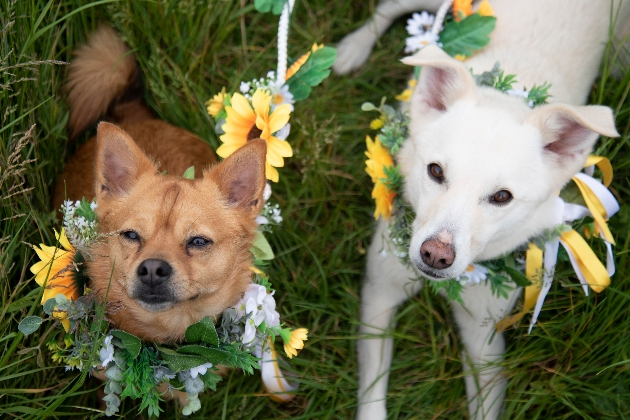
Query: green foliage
(261, 248)
(452, 288)
(394, 180)
(496, 78)
(273, 6)
(130, 342)
(85, 210)
(539, 95)
(312, 73)
(202, 331)
(139, 381)
(189, 173)
(30, 324)
(468, 35)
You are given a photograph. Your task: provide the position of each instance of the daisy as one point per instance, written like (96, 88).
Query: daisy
(474, 273)
(280, 95)
(244, 123)
(379, 159)
(418, 42)
(295, 342)
(419, 23)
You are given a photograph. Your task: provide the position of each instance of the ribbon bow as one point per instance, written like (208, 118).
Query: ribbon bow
(280, 390)
(540, 267)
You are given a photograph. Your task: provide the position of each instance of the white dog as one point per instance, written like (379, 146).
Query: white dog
(482, 170)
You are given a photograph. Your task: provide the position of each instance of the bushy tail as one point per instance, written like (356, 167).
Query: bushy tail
(104, 81)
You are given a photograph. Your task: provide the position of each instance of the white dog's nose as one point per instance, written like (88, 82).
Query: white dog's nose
(437, 254)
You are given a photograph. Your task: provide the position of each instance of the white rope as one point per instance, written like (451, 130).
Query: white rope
(283, 37)
(439, 17)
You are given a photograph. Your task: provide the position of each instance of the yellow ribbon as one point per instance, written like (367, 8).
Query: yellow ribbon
(533, 272)
(596, 208)
(591, 267)
(604, 165)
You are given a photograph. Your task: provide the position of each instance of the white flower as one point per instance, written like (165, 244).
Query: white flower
(245, 86)
(271, 74)
(200, 370)
(474, 273)
(250, 331)
(262, 220)
(93, 205)
(275, 215)
(518, 93)
(107, 351)
(280, 95)
(284, 132)
(420, 23)
(261, 306)
(267, 192)
(418, 42)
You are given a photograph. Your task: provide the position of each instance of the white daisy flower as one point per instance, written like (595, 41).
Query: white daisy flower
(280, 95)
(474, 273)
(420, 23)
(418, 42)
(200, 370)
(284, 132)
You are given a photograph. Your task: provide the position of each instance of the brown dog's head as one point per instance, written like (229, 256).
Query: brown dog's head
(175, 249)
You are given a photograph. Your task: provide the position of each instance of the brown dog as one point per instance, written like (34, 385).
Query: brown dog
(175, 250)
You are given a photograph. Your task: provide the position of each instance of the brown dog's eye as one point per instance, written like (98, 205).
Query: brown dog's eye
(131, 235)
(501, 197)
(436, 172)
(198, 242)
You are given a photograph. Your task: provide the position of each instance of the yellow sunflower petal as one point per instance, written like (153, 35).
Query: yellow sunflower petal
(241, 106)
(226, 149)
(281, 147)
(271, 172)
(63, 240)
(279, 118)
(261, 100)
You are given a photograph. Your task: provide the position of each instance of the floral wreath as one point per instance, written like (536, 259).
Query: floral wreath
(461, 34)
(245, 335)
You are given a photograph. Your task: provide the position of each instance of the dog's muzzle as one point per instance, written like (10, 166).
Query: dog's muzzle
(153, 289)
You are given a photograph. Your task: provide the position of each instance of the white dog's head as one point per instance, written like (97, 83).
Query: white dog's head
(483, 169)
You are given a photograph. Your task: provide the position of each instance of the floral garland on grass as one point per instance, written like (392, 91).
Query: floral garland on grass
(244, 338)
(463, 34)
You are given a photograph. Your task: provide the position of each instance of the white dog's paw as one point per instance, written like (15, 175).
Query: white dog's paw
(354, 50)
(375, 410)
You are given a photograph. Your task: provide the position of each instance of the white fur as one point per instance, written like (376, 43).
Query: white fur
(485, 141)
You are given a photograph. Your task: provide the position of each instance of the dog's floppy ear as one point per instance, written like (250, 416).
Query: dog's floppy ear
(241, 176)
(569, 134)
(443, 81)
(119, 162)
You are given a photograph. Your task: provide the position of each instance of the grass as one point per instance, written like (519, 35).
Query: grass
(574, 365)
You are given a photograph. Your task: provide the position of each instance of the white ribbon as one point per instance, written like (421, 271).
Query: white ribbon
(568, 212)
(279, 388)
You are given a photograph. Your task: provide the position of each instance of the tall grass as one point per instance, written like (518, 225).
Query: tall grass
(575, 364)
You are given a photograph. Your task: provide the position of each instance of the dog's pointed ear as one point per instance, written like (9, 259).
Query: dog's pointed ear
(569, 134)
(443, 81)
(119, 162)
(241, 176)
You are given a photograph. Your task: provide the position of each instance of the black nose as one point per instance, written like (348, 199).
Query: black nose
(154, 272)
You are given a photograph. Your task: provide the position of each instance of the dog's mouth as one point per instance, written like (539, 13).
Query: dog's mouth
(155, 299)
(433, 274)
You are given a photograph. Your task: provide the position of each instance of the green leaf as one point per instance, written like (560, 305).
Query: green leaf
(190, 173)
(49, 306)
(273, 6)
(85, 210)
(202, 331)
(261, 248)
(30, 324)
(131, 342)
(178, 361)
(312, 73)
(517, 277)
(214, 356)
(467, 36)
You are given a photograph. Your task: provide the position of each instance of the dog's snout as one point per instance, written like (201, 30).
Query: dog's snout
(437, 254)
(154, 272)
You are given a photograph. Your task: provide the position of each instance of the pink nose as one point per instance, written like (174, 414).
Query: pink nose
(437, 254)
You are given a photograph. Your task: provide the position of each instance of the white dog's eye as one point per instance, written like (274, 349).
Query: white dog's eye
(436, 172)
(501, 197)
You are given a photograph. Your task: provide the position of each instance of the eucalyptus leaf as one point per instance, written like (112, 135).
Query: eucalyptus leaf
(30, 324)
(130, 341)
(214, 356)
(202, 331)
(468, 35)
(49, 306)
(261, 248)
(178, 361)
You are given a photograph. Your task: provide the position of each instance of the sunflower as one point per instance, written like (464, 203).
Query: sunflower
(485, 9)
(295, 342)
(215, 105)
(56, 273)
(244, 123)
(461, 9)
(300, 61)
(379, 159)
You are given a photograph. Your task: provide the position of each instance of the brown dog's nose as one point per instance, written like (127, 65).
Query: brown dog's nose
(154, 272)
(437, 254)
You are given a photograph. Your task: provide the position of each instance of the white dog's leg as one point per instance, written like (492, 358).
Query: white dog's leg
(484, 348)
(387, 284)
(355, 48)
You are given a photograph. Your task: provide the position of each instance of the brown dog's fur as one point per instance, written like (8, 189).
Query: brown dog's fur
(121, 168)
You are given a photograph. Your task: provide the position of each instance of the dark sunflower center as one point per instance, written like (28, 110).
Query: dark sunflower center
(254, 133)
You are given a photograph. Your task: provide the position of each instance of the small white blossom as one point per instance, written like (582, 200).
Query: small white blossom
(262, 220)
(245, 86)
(200, 370)
(418, 42)
(474, 273)
(420, 23)
(267, 192)
(280, 94)
(271, 74)
(107, 351)
(250, 331)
